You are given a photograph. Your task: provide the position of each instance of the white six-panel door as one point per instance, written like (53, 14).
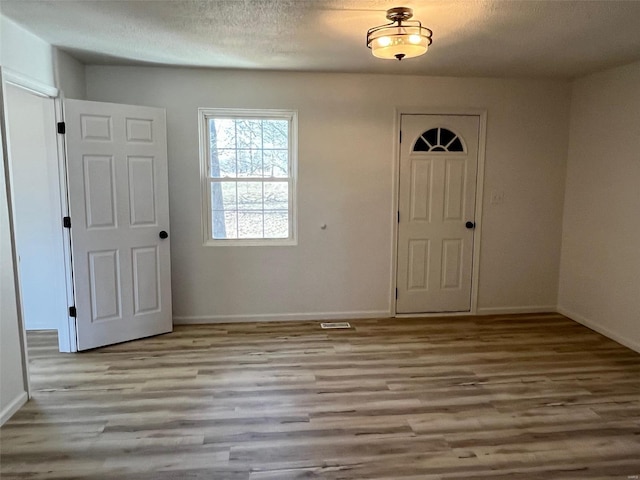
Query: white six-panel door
(438, 165)
(118, 193)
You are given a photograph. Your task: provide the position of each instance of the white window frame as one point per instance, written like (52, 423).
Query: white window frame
(204, 114)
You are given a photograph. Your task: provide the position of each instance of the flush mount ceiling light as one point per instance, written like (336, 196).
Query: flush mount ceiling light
(402, 38)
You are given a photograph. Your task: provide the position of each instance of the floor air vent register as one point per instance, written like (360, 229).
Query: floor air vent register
(328, 325)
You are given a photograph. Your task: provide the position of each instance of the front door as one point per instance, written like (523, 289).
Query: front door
(119, 205)
(438, 165)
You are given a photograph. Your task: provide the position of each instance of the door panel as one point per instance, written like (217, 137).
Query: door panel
(438, 163)
(117, 166)
(139, 130)
(451, 263)
(104, 279)
(142, 191)
(419, 251)
(99, 191)
(421, 190)
(146, 280)
(95, 127)
(454, 189)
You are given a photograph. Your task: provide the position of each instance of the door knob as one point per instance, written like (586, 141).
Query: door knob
(470, 225)
(163, 234)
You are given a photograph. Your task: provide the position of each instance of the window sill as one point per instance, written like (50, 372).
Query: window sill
(278, 242)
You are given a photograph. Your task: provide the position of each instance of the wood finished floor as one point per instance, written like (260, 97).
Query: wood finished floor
(511, 398)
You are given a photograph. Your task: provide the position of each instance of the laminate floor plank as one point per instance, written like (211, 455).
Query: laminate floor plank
(505, 397)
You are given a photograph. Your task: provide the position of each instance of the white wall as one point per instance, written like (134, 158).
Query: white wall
(26, 55)
(34, 63)
(12, 380)
(346, 165)
(29, 62)
(70, 77)
(600, 268)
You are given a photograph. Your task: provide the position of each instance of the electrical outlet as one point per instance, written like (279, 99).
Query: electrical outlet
(497, 197)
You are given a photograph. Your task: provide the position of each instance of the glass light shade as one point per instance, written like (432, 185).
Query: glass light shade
(398, 42)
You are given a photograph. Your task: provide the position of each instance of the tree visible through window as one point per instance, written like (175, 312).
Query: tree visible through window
(249, 177)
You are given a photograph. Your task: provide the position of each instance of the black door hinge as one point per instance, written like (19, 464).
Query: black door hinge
(72, 311)
(66, 222)
(62, 128)
(398, 216)
(400, 136)
(396, 293)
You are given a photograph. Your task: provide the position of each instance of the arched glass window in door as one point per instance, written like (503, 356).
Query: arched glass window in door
(438, 140)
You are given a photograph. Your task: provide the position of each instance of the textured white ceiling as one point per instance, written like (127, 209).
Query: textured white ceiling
(543, 38)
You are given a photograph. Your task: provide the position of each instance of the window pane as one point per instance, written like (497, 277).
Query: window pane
(276, 224)
(276, 163)
(431, 136)
(223, 163)
(446, 136)
(421, 146)
(249, 195)
(456, 146)
(276, 195)
(222, 132)
(223, 196)
(276, 133)
(249, 163)
(224, 224)
(250, 225)
(249, 133)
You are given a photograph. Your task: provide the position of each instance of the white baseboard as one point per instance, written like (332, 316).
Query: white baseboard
(13, 407)
(288, 317)
(280, 317)
(633, 345)
(511, 310)
(40, 326)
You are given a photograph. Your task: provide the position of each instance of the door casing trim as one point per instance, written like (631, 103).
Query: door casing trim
(67, 336)
(481, 113)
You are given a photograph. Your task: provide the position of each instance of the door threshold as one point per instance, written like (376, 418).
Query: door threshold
(434, 314)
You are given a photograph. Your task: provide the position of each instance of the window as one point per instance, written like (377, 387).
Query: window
(438, 140)
(248, 165)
